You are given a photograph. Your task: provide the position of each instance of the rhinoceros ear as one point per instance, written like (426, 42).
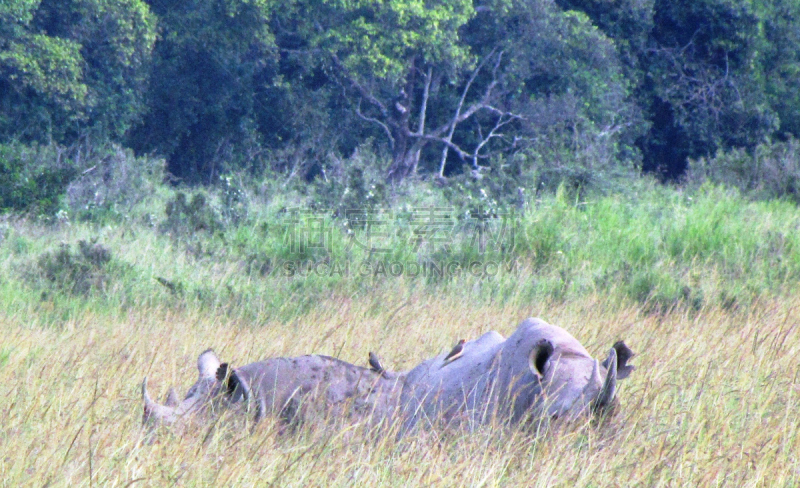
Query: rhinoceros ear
(234, 384)
(238, 386)
(609, 390)
(375, 363)
(539, 355)
(207, 364)
(624, 354)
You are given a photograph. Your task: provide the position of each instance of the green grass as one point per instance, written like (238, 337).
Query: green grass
(701, 284)
(655, 246)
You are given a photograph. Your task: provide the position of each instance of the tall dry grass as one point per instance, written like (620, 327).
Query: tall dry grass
(713, 402)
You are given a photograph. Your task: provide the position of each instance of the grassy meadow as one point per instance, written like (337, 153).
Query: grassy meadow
(701, 284)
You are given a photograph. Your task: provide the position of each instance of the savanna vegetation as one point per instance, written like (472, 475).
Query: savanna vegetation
(274, 178)
(701, 282)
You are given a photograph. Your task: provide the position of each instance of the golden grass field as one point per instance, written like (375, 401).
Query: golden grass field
(714, 401)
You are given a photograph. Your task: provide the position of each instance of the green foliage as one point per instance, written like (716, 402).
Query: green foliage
(50, 67)
(212, 59)
(71, 67)
(564, 79)
(580, 92)
(78, 272)
(652, 245)
(33, 179)
(185, 217)
(381, 40)
(628, 22)
(503, 188)
(108, 182)
(113, 183)
(351, 187)
(234, 200)
(771, 171)
(708, 75)
(781, 61)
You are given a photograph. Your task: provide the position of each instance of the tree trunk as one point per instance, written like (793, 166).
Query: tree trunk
(404, 163)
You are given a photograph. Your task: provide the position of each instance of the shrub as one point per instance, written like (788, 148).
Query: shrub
(234, 200)
(33, 178)
(113, 183)
(502, 188)
(771, 171)
(351, 188)
(186, 216)
(78, 272)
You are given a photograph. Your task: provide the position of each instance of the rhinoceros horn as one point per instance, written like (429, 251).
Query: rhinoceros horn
(207, 365)
(609, 389)
(153, 410)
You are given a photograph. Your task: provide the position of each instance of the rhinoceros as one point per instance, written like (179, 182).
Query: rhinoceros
(540, 371)
(288, 388)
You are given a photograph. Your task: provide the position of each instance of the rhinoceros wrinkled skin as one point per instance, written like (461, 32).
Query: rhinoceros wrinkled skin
(540, 371)
(288, 388)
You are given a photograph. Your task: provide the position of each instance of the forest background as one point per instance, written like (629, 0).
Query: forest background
(540, 92)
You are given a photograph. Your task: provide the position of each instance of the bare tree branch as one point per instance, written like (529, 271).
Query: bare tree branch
(492, 134)
(375, 121)
(366, 94)
(457, 116)
(462, 153)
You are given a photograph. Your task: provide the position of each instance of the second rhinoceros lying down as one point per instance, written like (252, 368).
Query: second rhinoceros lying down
(540, 371)
(288, 388)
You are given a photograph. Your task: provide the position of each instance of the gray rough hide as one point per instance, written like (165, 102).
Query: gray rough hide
(295, 388)
(292, 389)
(539, 371)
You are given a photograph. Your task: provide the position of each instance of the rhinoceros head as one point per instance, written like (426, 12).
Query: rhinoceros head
(572, 382)
(205, 388)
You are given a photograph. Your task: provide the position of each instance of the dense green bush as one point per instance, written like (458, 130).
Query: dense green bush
(79, 271)
(186, 216)
(351, 187)
(34, 178)
(772, 170)
(89, 183)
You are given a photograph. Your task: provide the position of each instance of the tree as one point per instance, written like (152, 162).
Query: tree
(40, 76)
(208, 66)
(72, 67)
(385, 58)
(705, 62)
(709, 74)
(781, 62)
(445, 87)
(565, 83)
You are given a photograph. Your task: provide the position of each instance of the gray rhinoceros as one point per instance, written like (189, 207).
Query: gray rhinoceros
(291, 389)
(540, 371)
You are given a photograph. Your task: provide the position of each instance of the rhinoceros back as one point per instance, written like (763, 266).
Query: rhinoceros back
(451, 391)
